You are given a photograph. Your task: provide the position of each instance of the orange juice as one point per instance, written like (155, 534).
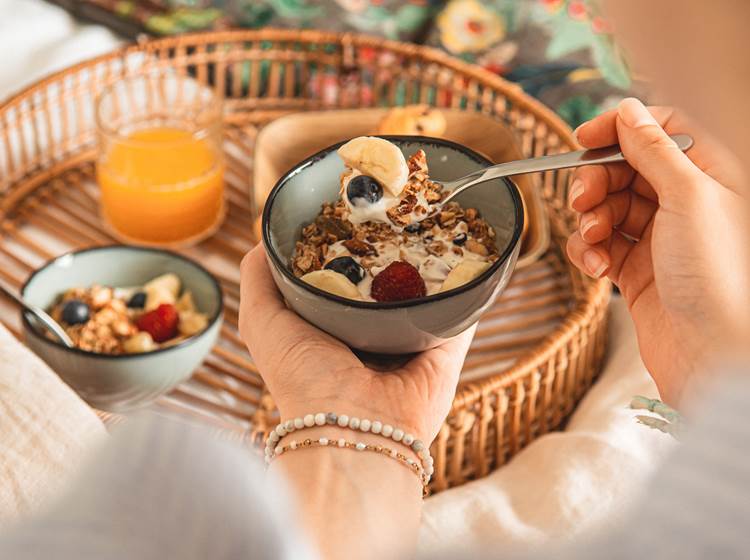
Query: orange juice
(162, 185)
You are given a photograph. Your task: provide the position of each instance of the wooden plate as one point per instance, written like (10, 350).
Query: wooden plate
(291, 138)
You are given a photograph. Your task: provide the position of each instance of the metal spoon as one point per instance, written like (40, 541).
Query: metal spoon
(47, 322)
(610, 154)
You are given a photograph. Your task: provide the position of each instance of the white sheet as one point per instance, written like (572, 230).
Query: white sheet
(560, 486)
(566, 483)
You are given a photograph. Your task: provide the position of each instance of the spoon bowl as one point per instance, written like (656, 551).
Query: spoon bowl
(42, 317)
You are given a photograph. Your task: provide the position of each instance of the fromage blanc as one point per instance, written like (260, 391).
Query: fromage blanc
(376, 242)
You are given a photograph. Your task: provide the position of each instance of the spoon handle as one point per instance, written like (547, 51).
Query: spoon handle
(610, 154)
(39, 314)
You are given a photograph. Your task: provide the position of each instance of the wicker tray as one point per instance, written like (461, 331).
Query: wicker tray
(536, 352)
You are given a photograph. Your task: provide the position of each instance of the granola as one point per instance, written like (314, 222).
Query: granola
(109, 320)
(354, 240)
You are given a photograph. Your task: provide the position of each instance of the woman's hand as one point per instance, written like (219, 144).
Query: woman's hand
(309, 371)
(669, 229)
(354, 505)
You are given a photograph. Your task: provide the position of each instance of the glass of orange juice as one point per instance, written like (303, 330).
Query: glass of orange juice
(160, 167)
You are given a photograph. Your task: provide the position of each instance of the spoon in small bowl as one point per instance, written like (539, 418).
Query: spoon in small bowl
(44, 319)
(610, 154)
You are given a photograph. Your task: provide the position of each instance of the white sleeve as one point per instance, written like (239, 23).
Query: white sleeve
(163, 489)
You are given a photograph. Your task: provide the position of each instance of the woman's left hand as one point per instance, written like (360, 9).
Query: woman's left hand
(353, 505)
(309, 371)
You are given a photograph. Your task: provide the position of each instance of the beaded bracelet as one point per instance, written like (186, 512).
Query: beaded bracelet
(357, 446)
(343, 421)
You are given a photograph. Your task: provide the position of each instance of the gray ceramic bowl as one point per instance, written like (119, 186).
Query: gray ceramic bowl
(395, 327)
(127, 381)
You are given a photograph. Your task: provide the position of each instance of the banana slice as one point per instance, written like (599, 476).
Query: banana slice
(379, 159)
(191, 323)
(332, 282)
(463, 273)
(169, 282)
(185, 303)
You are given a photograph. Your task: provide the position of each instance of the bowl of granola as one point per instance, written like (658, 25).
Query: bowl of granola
(359, 246)
(141, 321)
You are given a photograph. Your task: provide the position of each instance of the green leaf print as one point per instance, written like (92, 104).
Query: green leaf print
(410, 17)
(297, 9)
(569, 36)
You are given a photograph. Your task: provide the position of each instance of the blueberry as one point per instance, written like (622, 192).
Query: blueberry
(460, 239)
(413, 228)
(137, 300)
(75, 312)
(348, 267)
(364, 187)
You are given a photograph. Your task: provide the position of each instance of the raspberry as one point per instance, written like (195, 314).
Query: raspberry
(397, 282)
(161, 323)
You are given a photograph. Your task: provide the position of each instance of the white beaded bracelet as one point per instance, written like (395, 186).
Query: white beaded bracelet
(353, 423)
(357, 446)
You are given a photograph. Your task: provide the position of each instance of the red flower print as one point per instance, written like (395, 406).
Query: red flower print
(577, 10)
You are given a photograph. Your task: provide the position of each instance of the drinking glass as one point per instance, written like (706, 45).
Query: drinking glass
(160, 167)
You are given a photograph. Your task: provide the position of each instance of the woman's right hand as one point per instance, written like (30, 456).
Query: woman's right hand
(670, 230)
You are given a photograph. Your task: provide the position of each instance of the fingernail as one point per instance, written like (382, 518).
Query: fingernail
(594, 263)
(575, 132)
(588, 220)
(576, 190)
(634, 113)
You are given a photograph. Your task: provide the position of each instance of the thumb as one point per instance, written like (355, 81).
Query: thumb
(651, 152)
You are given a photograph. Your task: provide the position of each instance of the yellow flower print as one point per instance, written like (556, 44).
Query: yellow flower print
(467, 26)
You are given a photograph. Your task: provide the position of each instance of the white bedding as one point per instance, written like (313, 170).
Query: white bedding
(560, 486)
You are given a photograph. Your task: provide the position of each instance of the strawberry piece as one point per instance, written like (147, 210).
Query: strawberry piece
(160, 323)
(397, 282)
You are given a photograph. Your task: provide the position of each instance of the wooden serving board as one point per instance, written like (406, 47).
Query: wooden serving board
(290, 139)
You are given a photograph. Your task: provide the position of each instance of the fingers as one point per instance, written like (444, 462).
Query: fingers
(623, 211)
(654, 155)
(592, 259)
(269, 329)
(592, 183)
(602, 130)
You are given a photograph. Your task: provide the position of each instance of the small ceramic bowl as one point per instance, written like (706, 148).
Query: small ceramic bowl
(122, 382)
(393, 327)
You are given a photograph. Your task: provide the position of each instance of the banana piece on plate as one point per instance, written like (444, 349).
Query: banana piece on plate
(333, 282)
(379, 159)
(463, 273)
(421, 120)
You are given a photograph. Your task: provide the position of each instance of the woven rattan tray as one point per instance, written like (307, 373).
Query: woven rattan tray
(536, 352)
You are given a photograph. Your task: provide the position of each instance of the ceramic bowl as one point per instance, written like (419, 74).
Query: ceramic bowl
(122, 382)
(394, 327)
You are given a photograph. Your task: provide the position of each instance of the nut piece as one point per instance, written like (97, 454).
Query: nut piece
(476, 247)
(100, 296)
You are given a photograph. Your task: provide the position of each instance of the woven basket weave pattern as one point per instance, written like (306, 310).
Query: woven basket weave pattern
(47, 144)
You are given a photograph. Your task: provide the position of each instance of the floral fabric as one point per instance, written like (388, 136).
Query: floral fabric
(560, 51)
